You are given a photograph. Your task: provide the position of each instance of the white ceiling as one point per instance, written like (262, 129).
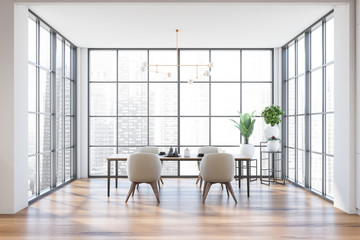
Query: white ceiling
(201, 25)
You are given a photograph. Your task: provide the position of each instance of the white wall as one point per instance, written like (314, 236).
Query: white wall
(358, 106)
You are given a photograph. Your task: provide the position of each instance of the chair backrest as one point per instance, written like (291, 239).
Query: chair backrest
(143, 167)
(210, 149)
(217, 167)
(148, 149)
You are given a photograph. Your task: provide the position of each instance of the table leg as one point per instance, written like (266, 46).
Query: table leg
(108, 180)
(248, 177)
(239, 168)
(116, 173)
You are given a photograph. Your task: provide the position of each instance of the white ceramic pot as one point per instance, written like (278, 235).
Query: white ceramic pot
(247, 150)
(273, 146)
(272, 131)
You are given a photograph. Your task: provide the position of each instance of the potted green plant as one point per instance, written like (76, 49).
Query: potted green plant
(272, 116)
(273, 144)
(246, 127)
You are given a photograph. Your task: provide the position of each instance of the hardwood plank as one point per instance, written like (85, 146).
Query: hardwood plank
(81, 210)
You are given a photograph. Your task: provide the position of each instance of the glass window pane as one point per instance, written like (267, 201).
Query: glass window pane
(163, 99)
(316, 172)
(225, 98)
(223, 132)
(102, 65)
(68, 131)
(255, 97)
(67, 61)
(59, 167)
(189, 168)
(291, 97)
(67, 97)
(132, 99)
(301, 132)
(44, 47)
(132, 131)
(226, 65)
(44, 133)
(258, 132)
(330, 133)
(330, 176)
(163, 131)
(316, 47)
(31, 133)
(169, 169)
(291, 130)
(59, 56)
(194, 131)
(103, 99)
(68, 162)
(59, 95)
(194, 99)
(31, 88)
(316, 133)
(44, 173)
(316, 91)
(301, 95)
(256, 65)
(291, 61)
(162, 57)
(31, 40)
(44, 93)
(291, 163)
(31, 176)
(330, 88)
(59, 132)
(330, 40)
(194, 57)
(130, 64)
(103, 131)
(98, 162)
(301, 56)
(301, 167)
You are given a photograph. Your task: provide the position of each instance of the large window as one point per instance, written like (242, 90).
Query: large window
(309, 103)
(130, 108)
(51, 113)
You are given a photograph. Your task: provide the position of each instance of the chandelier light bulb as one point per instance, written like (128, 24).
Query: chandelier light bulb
(207, 73)
(211, 64)
(169, 74)
(144, 64)
(190, 81)
(144, 69)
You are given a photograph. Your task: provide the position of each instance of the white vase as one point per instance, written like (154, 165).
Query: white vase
(273, 145)
(272, 131)
(247, 150)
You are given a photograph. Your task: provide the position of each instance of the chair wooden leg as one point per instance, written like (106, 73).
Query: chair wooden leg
(205, 184)
(137, 186)
(231, 191)
(227, 190)
(206, 191)
(161, 180)
(159, 184)
(222, 186)
(132, 188)
(154, 187)
(201, 180)
(198, 178)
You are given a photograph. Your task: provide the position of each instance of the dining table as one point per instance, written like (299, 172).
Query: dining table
(123, 157)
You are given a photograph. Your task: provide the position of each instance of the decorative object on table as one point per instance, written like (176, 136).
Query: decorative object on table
(162, 153)
(272, 116)
(246, 127)
(187, 152)
(150, 68)
(200, 154)
(170, 153)
(175, 153)
(273, 144)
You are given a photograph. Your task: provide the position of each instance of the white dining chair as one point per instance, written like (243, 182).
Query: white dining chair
(217, 168)
(143, 168)
(205, 150)
(154, 150)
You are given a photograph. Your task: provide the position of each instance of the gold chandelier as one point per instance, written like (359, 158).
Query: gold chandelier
(146, 67)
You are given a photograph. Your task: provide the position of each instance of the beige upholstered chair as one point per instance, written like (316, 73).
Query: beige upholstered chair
(143, 168)
(150, 149)
(217, 168)
(205, 150)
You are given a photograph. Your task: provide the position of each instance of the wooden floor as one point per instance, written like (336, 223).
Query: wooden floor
(81, 210)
